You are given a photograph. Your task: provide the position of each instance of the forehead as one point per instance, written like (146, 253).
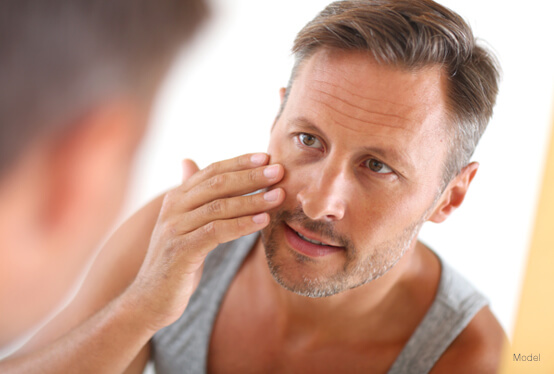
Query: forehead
(348, 93)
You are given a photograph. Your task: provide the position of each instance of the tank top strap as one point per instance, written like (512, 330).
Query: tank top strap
(455, 305)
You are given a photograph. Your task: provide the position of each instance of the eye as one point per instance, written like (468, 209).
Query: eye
(309, 141)
(377, 166)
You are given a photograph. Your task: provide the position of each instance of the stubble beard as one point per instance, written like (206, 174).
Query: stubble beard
(355, 272)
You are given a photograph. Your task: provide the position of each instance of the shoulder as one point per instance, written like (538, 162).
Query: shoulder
(477, 349)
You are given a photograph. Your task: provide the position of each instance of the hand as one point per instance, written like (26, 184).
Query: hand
(206, 210)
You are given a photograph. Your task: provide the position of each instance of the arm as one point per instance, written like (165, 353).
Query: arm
(193, 219)
(112, 272)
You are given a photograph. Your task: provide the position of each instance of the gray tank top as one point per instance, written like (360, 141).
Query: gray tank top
(183, 346)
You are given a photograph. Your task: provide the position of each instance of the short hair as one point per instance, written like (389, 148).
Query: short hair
(414, 34)
(58, 58)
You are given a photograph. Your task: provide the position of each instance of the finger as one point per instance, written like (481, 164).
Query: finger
(204, 239)
(230, 184)
(231, 208)
(239, 163)
(189, 167)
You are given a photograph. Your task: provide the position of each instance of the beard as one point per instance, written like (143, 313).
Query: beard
(361, 265)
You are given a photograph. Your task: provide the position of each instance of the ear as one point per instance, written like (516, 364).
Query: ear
(89, 167)
(454, 194)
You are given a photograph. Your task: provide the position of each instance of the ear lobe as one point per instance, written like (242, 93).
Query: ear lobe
(455, 193)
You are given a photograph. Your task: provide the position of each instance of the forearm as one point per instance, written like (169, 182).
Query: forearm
(106, 343)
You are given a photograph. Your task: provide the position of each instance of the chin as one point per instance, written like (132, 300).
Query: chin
(315, 277)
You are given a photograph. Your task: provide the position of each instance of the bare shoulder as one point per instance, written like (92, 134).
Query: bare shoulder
(477, 349)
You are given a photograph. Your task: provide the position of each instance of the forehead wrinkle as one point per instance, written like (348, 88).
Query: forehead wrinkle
(360, 120)
(365, 98)
(364, 114)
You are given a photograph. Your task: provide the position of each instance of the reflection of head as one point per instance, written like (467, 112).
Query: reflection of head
(414, 34)
(58, 56)
(77, 82)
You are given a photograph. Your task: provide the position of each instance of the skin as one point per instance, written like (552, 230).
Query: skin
(350, 104)
(54, 210)
(392, 122)
(393, 111)
(206, 210)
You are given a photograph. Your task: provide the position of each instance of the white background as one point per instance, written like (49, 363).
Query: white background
(222, 95)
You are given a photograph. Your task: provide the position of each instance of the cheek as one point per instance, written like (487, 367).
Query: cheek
(378, 216)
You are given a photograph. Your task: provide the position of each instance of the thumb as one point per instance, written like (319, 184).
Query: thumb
(188, 167)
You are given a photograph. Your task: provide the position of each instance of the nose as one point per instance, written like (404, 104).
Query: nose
(324, 194)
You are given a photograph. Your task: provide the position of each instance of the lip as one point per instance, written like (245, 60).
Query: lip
(306, 248)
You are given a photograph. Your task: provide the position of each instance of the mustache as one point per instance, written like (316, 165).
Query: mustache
(324, 229)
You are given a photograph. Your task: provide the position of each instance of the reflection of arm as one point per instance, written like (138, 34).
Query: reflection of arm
(111, 337)
(157, 257)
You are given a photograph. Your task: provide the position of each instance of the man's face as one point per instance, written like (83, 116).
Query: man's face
(363, 146)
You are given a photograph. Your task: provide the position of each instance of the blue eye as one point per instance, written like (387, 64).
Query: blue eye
(377, 166)
(309, 141)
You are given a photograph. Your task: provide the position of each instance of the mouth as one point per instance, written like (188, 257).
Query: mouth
(311, 247)
(312, 241)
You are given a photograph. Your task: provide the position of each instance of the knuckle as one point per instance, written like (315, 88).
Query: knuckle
(215, 207)
(253, 175)
(216, 181)
(169, 229)
(213, 168)
(210, 229)
(253, 199)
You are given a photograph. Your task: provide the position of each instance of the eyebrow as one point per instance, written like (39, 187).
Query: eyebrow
(384, 153)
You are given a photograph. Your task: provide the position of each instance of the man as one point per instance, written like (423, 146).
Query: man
(78, 80)
(385, 105)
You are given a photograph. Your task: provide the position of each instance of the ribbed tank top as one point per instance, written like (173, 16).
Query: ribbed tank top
(183, 346)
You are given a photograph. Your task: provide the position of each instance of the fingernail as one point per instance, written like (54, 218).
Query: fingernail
(258, 158)
(260, 218)
(271, 171)
(272, 195)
